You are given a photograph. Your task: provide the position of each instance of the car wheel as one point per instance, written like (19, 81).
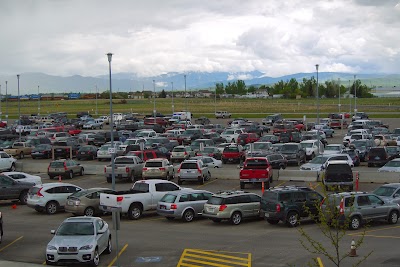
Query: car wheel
(23, 197)
(132, 177)
(355, 223)
(188, 216)
(236, 218)
(96, 258)
(109, 180)
(21, 155)
(51, 208)
(172, 176)
(292, 219)
(201, 180)
(134, 212)
(271, 221)
(70, 175)
(369, 164)
(242, 185)
(89, 211)
(82, 172)
(12, 168)
(393, 217)
(33, 157)
(208, 177)
(109, 246)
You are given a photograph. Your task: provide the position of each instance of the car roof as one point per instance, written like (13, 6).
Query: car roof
(81, 219)
(156, 159)
(46, 185)
(231, 193)
(187, 190)
(287, 188)
(338, 162)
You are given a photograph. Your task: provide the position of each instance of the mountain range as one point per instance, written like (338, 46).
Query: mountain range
(125, 82)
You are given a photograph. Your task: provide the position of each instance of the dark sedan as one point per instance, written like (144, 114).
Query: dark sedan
(277, 161)
(87, 152)
(43, 151)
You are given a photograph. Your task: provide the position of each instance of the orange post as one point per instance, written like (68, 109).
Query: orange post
(59, 178)
(262, 187)
(14, 206)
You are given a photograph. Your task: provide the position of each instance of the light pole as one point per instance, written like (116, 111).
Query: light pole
(317, 66)
(184, 76)
(19, 111)
(0, 103)
(355, 94)
(96, 99)
(339, 94)
(38, 109)
(349, 96)
(154, 101)
(6, 103)
(215, 100)
(114, 214)
(172, 88)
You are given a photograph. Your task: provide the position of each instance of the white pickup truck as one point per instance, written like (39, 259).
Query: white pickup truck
(143, 196)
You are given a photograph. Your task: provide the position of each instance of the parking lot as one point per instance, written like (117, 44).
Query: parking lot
(155, 241)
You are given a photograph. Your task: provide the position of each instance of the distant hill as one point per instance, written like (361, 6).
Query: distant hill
(194, 80)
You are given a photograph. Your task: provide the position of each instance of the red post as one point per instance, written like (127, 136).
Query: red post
(262, 187)
(357, 181)
(59, 178)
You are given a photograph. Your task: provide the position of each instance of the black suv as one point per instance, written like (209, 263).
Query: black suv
(294, 153)
(64, 149)
(289, 203)
(377, 156)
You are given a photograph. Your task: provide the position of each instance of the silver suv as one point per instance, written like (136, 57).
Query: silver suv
(183, 204)
(193, 170)
(355, 208)
(232, 206)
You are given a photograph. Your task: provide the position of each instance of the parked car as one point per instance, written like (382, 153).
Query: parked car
(79, 240)
(42, 151)
(256, 170)
(289, 204)
(233, 153)
(87, 152)
(389, 192)
(277, 160)
(377, 156)
(7, 162)
(319, 163)
(66, 149)
(67, 168)
(391, 166)
(103, 153)
(209, 161)
(11, 189)
(362, 146)
(337, 174)
(354, 155)
(50, 197)
(184, 204)
(222, 114)
(269, 138)
(246, 138)
(158, 168)
(86, 202)
(271, 119)
(233, 206)
(210, 151)
(356, 208)
(180, 153)
(312, 148)
(193, 170)
(24, 177)
(334, 149)
(294, 153)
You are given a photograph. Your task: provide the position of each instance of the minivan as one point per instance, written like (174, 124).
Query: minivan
(377, 156)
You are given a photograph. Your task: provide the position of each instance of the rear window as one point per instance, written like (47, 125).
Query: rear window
(377, 152)
(338, 168)
(256, 163)
(57, 164)
(141, 187)
(153, 164)
(34, 190)
(215, 201)
(270, 195)
(179, 149)
(168, 198)
(231, 149)
(190, 165)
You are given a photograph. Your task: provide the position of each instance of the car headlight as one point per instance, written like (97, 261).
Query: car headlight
(49, 247)
(87, 247)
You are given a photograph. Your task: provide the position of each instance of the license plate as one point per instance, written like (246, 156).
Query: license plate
(56, 170)
(230, 159)
(377, 158)
(266, 215)
(59, 150)
(82, 153)
(210, 209)
(162, 207)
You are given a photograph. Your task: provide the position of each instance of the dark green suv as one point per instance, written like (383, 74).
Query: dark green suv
(289, 204)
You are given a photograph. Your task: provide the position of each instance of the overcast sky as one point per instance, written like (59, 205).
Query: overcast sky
(151, 37)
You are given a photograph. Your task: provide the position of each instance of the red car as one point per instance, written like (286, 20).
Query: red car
(3, 124)
(256, 170)
(158, 120)
(233, 153)
(337, 124)
(246, 138)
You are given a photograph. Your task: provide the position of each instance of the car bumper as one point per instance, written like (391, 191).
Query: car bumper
(254, 180)
(78, 210)
(167, 213)
(69, 258)
(270, 215)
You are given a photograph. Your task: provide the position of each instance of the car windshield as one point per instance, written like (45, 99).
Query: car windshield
(319, 160)
(384, 191)
(178, 149)
(215, 201)
(393, 163)
(256, 163)
(57, 164)
(43, 146)
(208, 149)
(153, 164)
(189, 166)
(75, 228)
(289, 148)
(86, 148)
(229, 132)
(392, 150)
(306, 145)
(231, 149)
(258, 146)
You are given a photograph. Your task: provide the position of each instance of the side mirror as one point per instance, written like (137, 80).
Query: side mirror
(53, 232)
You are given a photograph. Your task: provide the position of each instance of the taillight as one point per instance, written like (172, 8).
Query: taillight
(48, 168)
(65, 166)
(198, 169)
(278, 207)
(105, 169)
(162, 169)
(322, 202)
(222, 207)
(174, 206)
(179, 169)
(127, 169)
(341, 207)
(144, 169)
(120, 198)
(185, 153)
(39, 194)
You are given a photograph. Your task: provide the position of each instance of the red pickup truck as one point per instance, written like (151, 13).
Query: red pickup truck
(256, 170)
(233, 153)
(246, 138)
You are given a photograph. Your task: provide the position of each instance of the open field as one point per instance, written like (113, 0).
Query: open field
(253, 108)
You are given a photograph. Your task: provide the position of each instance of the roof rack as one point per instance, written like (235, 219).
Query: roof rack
(291, 187)
(230, 192)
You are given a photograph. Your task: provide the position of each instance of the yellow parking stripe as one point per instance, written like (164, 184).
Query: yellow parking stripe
(380, 229)
(3, 248)
(207, 183)
(380, 236)
(200, 258)
(320, 262)
(119, 254)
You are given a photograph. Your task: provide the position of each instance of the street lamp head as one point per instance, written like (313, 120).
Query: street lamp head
(17, 76)
(316, 66)
(109, 56)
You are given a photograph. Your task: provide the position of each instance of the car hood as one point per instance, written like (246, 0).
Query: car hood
(389, 169)
(311, 166)
(72, 241)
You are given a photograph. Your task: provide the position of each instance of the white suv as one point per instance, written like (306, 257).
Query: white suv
(311, 147)
(50, 197)
(222, 114)
(231, 135)
(193, 170)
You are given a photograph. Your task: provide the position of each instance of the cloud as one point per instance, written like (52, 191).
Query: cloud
(154, 37)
